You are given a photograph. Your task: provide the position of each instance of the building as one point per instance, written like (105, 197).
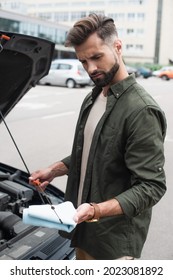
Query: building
(143, 25)
(24, 24)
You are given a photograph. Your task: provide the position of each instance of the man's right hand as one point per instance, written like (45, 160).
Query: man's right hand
(45, 176)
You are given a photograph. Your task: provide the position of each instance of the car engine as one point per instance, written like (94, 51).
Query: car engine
(21, 241)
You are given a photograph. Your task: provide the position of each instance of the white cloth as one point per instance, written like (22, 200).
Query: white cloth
(45, 216)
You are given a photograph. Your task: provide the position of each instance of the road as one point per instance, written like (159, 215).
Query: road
(43, 125)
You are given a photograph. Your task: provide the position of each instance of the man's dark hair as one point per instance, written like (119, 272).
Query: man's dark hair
(103, 26)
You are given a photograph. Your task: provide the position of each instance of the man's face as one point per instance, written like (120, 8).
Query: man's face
(99, 59)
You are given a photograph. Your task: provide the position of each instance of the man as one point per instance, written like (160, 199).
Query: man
(115, 171)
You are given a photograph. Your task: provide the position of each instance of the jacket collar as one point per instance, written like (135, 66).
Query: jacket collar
(117, 89)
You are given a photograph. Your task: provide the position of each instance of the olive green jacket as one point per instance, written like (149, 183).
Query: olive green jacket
(125, 162)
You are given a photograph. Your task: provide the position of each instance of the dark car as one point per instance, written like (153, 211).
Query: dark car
(24, 61)
(132, 70)
(145, 72)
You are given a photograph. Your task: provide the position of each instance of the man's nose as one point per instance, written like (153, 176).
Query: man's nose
(92, 67)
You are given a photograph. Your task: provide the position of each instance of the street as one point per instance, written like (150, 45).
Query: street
(43, 126)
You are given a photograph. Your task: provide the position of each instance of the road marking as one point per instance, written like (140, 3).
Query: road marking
(59, 115)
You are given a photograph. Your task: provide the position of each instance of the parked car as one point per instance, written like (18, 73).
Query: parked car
(66, 72)
(166, 73)
(24, 60)
(131, 70)
(145, 72)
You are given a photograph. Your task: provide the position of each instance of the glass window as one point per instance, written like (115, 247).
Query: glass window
(61, 16)
(129, 47)
(116, 2)
(65, 4)
(64, 66)
(140, 16)
(54, 66)
(78, 4)
(97, 12)
(140, 31)
(77, 15)
(96, 3)
(10, 25)
(117, 16)
(130, 31)
(131, 16)
(139, 47)
(136, 2)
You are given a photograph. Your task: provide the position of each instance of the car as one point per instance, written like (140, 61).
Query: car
(66, 72)
(166, 73)
(132, 70)
(145, 72)
(24, 61)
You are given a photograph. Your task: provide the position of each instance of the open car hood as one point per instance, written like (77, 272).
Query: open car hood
(24, 60)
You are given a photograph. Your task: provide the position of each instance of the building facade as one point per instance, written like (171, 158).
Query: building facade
(143, 25)
(24, 24)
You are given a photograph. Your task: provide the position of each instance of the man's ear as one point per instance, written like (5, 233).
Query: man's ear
(118, 46)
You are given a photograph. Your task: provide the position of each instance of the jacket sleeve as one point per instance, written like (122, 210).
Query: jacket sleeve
(144, 157)
(66, 161)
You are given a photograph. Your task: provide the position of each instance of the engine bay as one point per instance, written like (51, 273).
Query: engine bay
(16, 194)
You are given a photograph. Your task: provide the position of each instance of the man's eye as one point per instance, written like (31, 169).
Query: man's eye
(97, 57)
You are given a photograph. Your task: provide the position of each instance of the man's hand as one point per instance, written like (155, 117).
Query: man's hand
(45, 176)
(84, 212)
(107, 208)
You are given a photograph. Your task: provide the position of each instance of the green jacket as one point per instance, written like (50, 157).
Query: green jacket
(126, 162)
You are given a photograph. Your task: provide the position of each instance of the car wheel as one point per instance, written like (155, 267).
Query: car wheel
(70, 83)
(165, 78)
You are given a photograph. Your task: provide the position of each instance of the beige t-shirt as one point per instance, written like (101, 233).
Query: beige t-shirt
(95, 115)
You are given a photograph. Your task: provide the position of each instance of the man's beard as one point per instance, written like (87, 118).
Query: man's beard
(108, 76)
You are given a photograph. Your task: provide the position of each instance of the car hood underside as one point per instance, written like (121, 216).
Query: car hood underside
(24, 60)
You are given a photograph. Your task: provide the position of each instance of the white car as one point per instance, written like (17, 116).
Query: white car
(66, 72)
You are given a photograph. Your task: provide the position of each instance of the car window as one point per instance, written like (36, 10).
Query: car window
(54, 66)
(64, 66)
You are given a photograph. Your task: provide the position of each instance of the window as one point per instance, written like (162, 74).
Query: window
(54, 66)
(116, 2)
(131, 16)
(141, 16)
(46, 16)
(96, 3)
(134, 48)
(130, 31)
(140, 32)
(77, 15)
(97, 12)
(61, 16)
(64, 66)
(139, 47)
(136, 2)
(117, 16)
(129, 47)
